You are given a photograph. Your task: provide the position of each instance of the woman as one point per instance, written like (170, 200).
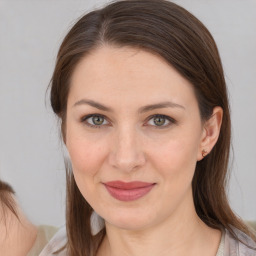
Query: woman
(140, 91)
(18, 236)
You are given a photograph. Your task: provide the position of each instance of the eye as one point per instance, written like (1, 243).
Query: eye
(95, 120)
(161, 121)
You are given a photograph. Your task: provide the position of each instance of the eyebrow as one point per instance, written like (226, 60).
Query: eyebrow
(166, 104)
(93, 104)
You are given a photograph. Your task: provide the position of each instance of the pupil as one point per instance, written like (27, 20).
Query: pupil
(159, 121)
(97, 120)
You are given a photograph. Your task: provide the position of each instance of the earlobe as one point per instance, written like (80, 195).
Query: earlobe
(204, 153)
(211, 131)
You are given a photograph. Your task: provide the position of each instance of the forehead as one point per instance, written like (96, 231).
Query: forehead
(112, 73)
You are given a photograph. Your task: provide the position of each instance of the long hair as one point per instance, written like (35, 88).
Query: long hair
(169, 31)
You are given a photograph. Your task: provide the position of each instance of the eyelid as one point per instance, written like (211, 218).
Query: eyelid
(170, 119)
(84, 119)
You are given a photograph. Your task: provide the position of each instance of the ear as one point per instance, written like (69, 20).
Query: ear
(210, 133)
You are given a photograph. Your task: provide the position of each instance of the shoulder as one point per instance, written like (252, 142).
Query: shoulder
(237, 248)
(44, 235)
(58, 242)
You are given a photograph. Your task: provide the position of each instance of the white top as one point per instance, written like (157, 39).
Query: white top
(228, 245)
(56, 243)
(220, 251)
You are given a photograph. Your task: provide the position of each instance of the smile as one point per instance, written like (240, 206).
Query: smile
(130, 191)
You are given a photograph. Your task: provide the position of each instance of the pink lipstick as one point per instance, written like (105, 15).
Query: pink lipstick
(128, 191)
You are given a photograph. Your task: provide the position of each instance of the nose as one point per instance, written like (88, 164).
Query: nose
(126, 151)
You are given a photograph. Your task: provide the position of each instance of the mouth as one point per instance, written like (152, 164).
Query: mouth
(128, 191)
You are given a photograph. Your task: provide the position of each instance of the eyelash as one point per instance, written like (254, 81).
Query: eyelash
(168, 118)
(85, 118)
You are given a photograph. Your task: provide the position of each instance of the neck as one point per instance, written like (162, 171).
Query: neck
(182, 234)
(17, 234)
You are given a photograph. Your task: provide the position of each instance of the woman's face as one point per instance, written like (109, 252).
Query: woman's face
(134, 133)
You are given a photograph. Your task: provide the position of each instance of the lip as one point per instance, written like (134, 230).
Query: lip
(128, 191)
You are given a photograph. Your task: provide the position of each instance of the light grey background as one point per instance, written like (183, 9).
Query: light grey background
(30, 149)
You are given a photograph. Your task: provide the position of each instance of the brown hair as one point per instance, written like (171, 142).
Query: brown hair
(6, 198)
(168, 30)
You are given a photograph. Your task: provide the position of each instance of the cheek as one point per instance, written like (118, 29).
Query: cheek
(176, 165)
(85, 156)
(177, 158)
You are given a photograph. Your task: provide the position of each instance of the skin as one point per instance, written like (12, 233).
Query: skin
(128, 145)
(17, 236)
